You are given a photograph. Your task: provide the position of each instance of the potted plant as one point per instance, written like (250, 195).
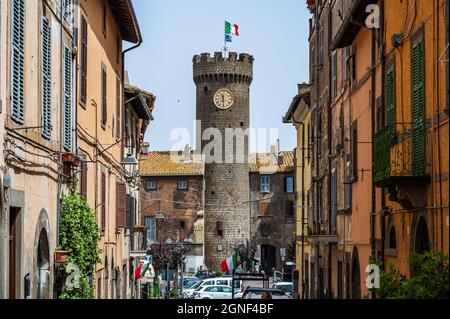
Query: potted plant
(61, 256)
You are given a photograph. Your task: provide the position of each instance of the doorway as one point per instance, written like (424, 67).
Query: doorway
(268, 258)
(356, 280)
(14, 236)
(43, 266)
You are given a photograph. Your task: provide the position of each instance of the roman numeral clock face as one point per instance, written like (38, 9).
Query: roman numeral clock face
(223, 99)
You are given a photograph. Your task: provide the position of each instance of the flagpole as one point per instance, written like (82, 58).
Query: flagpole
(225, 39)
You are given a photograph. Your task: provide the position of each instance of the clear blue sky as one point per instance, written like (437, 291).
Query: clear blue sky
(275, 32)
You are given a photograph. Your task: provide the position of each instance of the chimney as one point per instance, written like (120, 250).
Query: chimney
(187, 153)
(273, 155)
(145, 147)
(126, 78)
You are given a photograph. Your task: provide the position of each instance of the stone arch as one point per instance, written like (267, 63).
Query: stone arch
(356, 275)
(42, 259)
(421, 242)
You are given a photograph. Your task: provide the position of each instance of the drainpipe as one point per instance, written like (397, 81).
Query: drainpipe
(373, 193)
(303, 201)
(448, 73)
(383, 77)
(330, 80)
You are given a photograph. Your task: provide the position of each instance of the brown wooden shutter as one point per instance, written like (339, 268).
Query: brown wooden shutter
(104, 97)
(83, 179)
(83, 71)
(121, 195)
(103, 201)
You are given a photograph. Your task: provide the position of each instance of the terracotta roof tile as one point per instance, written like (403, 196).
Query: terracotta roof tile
(165, 163)
(169, 164)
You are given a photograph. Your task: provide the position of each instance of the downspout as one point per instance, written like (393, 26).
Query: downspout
(373, 190)
(330, 80)
(448, 73)
(383, 190)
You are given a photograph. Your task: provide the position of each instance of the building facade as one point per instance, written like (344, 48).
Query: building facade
(272, 208)
(38, 113)
(411, 142)
(299, 115)
(101, 135)
(223, 92)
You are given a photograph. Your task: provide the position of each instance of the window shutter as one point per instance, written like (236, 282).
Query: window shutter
(17, 60)
(84, 56)
(130, 211)
(83, 179)
(67, 99)
(46, 78)
(68, 7)
(390, 102)
(418, 113)
(121, 194)
(334, 201)
(103, 217)
(104, 95)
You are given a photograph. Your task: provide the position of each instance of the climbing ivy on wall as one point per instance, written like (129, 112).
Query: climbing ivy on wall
(79, 236)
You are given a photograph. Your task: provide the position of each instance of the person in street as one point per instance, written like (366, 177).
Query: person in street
(266, 295)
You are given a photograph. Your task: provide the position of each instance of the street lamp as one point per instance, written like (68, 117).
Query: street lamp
(130, 164)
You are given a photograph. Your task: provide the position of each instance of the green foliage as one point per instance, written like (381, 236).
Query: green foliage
(218, 274)
(174, 294)
(429, 281)
(79, 235)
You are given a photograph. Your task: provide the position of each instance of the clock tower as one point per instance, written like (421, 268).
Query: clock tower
(223, 89)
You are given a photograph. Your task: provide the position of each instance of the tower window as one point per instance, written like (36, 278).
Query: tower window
(151, 185)
(182, 225)
(219, 229)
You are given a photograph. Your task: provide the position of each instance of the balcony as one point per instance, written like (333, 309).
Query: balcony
(320, 235)
(399, 164)
(348, 18)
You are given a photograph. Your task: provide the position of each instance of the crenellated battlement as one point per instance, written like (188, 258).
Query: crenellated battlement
(217, 68)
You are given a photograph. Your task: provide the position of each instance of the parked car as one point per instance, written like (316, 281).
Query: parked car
(212, 292)
(287, 287)
(221, 281)
(256, 292)
(204, 274)
(189, 281)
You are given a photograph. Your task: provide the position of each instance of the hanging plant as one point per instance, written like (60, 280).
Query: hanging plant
(79, 236)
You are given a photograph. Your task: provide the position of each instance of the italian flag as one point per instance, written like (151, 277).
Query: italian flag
(141, 271)
(230, 263)
(231, 29)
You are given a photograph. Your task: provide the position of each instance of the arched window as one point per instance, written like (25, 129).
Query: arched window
(392, 238)
(421, 237)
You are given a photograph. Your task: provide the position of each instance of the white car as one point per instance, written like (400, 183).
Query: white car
(287, 287)
(222, 281)
(213, 292)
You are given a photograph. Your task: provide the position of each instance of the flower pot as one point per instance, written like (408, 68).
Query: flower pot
(61, 256)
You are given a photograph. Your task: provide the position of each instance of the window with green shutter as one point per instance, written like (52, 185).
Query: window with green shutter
(390, 101)
(418, 108)
(17, 60)
(46, 62)
(67, 99)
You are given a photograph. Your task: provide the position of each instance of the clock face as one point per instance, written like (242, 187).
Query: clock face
(223, 99)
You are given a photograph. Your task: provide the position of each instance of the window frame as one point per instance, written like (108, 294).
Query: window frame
(151, 188)
(266, 183)
(182, 182)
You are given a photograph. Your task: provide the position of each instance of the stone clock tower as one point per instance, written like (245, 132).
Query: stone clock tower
(223, 87)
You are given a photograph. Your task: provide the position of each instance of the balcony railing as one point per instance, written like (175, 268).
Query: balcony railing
(393, 160)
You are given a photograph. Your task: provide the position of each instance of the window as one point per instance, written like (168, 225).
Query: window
(221, 282)
(46, 78)
(392, 238)
(17, 60)
(289, 184)
(418, 106)
(265, 184)
(308, 143)
(320, 40)
(354, 149)
(182, 225)
(150, 228)
(226, 289)
(151, 185)
(67, 98)
(390, 99)
(103, 202)
(182, 185)
(333, 74)
(83, 179)
(334, 202)
(83, 62)
(290, 210)
(68, 10)
(104, 97)
(348, 187)
(346, 56)
(121, 208)
(219, 229)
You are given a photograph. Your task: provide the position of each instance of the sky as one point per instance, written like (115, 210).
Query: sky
(275, 32)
